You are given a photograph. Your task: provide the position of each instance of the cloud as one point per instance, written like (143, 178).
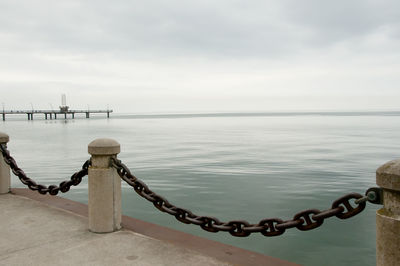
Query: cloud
(258, 29)
(201, 55)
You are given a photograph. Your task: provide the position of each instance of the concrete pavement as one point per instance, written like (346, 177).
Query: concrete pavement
(35, 234)
(48, 230)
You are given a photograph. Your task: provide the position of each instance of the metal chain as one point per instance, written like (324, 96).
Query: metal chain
(305, 220)
(64, 186)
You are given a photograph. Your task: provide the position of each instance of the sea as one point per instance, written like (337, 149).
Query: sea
(233, 166)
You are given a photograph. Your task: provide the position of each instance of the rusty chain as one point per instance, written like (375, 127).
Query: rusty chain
(63, 187)
(305, 220)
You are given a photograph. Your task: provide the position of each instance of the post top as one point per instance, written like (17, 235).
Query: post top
(104, 146)
(388, 175)
(4, 138)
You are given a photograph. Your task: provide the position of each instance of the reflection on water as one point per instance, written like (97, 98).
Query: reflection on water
(60, 121)
(232, 167)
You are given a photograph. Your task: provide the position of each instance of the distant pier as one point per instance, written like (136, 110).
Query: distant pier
(50, 114)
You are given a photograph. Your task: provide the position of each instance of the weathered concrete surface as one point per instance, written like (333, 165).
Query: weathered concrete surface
(104, 146)
(4, 138)
(104, 187)
(4, 176)
(48, 230)
(388, 218)
(4, 168)
(104, 200)
(35, 234)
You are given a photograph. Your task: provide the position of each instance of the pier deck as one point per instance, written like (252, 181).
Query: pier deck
(48, 230)
(49, 114)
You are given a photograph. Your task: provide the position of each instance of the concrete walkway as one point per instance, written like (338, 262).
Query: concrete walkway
(35, 233)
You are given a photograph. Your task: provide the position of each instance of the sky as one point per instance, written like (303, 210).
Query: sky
(200, 56)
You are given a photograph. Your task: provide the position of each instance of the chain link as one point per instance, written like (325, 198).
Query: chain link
(305, 220)
(63, 187)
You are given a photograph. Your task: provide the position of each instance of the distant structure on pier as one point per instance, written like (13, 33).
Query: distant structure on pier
(64, 107)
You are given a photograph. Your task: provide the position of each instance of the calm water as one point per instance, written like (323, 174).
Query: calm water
(237, 166)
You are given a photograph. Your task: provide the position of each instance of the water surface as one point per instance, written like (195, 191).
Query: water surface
(234, 167)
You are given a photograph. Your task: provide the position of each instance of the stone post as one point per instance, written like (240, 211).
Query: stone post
(388, 218)
(4, 168)
(104, 187)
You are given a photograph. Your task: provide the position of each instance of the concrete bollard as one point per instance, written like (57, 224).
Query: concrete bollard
(388, 218)
(104, 187)
(4, 168)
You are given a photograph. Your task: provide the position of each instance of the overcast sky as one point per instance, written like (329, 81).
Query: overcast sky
(201, 56)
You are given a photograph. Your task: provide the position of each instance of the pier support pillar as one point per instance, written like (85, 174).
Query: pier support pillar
(388, 218)
(4, 117)
(87, 114)
(55, 116)
(45, 116)
(73, 115)
(65, 115)
(104, 187)
(4, 168)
